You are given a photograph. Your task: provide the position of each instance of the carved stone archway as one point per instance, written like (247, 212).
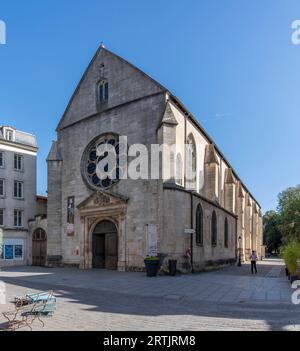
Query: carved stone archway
(103, 206)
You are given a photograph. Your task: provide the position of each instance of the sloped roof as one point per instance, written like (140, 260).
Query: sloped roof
(167, 118)
(20, 137)
(54, 154)
(103, 49)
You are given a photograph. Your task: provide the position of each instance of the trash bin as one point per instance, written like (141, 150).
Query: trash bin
(172, 267)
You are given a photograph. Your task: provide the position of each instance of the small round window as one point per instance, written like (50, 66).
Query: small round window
(93, 155)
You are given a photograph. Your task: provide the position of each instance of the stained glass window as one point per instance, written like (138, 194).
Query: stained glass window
(199, 225)
(226, 233)
(102, 92)
(214, 229)
(101, 162)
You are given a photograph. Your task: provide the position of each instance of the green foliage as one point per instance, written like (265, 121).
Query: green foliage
(291, 253)
(152, 258)
(272, 233)
(283, 226)
(289, 211)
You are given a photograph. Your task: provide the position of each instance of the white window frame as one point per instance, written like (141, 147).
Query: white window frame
(9, 132)
(18, 218)
(20, 186)
(19, 157)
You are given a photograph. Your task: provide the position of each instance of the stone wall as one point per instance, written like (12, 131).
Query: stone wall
(178, 216)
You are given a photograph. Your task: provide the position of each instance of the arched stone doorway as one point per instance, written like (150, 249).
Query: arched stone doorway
(105, 245)
(39, 247)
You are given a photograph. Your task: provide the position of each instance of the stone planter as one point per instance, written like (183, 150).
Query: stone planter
(152, 266)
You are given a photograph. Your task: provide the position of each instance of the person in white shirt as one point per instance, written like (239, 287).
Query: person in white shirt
(253, 259)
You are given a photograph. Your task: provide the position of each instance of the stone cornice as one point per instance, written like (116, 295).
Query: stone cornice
(18, 145)
(173, 186)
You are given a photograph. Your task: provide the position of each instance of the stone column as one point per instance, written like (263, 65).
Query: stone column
(122, 244)
(248, 229)
(168, 131)
(54, 207)
(240, 206)
(255, 227)
(260, 239)
(229, 188)
(211, 173)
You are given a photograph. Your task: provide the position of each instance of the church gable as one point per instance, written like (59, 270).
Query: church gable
(102, 199)
(109, 81)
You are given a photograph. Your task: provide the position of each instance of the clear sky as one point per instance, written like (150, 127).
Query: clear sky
(231, 62)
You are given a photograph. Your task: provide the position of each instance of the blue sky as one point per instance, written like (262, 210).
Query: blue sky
(231, 62)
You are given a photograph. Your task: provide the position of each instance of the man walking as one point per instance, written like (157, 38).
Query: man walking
(253, 259)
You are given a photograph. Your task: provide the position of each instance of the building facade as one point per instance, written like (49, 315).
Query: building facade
(18, 153)
(209, 218)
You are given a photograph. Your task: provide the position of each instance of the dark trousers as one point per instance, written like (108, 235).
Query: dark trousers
(253, 267)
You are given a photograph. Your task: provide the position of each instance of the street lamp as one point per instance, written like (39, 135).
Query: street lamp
(240, 252)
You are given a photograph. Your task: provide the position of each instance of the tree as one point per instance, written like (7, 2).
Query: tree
(289, 211)
(272, 233)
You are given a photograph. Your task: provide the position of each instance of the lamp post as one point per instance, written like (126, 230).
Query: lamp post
(240, 254)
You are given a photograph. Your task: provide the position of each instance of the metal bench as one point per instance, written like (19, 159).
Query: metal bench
(46, 297)
(30, 307)
(24, 316)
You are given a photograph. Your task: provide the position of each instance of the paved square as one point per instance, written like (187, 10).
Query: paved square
(227, 299)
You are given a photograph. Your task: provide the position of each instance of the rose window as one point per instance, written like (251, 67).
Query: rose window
(107, 149)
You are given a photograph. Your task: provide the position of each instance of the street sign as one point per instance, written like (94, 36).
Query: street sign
(189, 231)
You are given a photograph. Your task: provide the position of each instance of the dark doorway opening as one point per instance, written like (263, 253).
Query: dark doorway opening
(105, 246)
(39, 248)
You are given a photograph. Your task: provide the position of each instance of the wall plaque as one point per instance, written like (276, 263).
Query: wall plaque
(152, 240)
(71, 216)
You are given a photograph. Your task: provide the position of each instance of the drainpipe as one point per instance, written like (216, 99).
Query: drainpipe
(192, 198)
(237, 241)
(192, 235)
(185, 141)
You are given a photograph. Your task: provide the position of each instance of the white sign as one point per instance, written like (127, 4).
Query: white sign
(189, 231)
(152, 240)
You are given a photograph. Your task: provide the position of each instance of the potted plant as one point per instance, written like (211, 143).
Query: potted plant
(152, 265)
(291, 256)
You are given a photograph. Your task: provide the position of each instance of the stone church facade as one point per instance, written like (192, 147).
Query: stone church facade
(91, 223)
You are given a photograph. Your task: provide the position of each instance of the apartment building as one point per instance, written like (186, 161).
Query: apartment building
(18, 156)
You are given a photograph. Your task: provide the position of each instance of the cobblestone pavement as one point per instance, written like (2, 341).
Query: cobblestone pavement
(227, 299)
